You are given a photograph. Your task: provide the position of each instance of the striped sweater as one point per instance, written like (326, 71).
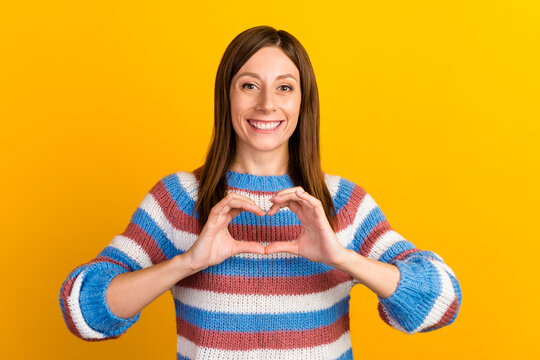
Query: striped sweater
(251, 306)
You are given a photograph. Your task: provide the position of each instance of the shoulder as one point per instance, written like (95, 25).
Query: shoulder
(344, 191)
(341, 186)
(180, 184)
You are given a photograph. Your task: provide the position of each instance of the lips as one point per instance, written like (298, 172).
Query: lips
(264, 131)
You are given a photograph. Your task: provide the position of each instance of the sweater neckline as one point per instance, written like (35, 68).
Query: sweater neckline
(258, 182)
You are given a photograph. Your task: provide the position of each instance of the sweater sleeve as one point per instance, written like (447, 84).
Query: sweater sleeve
(145, 242)
(428, 295)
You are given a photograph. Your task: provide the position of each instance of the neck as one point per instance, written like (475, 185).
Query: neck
(262, 163)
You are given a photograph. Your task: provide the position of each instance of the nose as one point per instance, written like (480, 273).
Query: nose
(266, 100)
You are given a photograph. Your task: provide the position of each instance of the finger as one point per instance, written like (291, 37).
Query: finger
(234, 213)
(286, 191)
(245, 198)
(282, 246)
(242, 204)
(310, 199)
(286, 200)
(248, 247)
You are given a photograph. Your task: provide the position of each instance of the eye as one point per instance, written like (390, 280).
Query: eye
(282, 86)
(248, 84)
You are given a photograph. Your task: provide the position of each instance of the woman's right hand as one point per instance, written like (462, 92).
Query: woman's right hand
(215, 243)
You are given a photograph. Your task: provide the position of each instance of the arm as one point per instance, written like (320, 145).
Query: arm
(417, 291)
(379, 277)
(102, 298)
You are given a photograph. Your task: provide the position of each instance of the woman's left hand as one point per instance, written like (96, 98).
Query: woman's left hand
(317, 241)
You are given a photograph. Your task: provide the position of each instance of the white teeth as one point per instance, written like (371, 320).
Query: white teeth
(266, 126)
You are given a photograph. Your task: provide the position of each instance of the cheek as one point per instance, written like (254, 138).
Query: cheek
(293, 104)
(238, 105)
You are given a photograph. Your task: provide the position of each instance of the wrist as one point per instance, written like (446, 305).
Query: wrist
(341, 259)
(184, 263)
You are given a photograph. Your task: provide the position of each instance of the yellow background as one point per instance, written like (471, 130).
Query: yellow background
(431, 106)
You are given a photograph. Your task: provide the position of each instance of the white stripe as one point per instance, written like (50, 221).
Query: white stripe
(262, 201)
(393, 321)
(443, 301)
(189, 183)
(279, 255)
(346, 235)
(383, 242)
(266, 304)
(132, 250)
(183, 240)
(447, 268)
(154, 210)
(332, 183)
(76, 314)
(175, 236)
(326, 351)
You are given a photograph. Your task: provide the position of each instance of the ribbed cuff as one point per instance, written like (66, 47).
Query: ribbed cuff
(415, 295)
(92, 301)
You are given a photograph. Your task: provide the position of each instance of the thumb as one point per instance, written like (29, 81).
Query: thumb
(248, 247)
(282, 246)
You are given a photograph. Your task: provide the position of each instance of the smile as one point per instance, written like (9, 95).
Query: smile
(265, 127)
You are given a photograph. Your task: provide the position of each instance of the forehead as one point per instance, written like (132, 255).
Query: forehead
(269, 61)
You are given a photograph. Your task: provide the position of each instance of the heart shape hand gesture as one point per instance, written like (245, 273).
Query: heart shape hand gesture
(317, 241)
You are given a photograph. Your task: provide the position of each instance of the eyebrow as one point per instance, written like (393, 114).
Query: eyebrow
(257, 76)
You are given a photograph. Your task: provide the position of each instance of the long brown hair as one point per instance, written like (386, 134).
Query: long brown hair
(304, 166)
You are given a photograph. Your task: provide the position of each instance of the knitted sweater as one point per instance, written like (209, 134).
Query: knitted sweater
(251, 306)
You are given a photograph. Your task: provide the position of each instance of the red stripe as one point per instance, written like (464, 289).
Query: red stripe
(180, 220)
(402, 255)
(252, 192)
(351, 207)
(265, 285)
(66, 291)
(447, 316)
(383, 315)
(147, 242)
(171, 210)
(260, 233)
(374, 235)
(108, 259)
(292, 339)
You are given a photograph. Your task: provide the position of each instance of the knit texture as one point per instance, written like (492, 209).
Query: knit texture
(277, 306)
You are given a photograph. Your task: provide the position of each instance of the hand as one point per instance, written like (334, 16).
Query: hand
(215, 243)
(317, 241)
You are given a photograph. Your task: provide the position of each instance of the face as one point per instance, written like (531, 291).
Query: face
(265, 92)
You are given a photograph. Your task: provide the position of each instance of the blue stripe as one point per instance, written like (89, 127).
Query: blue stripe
(143, 219)
(258, 182)
(457, 290)
(74, 273)
(248, 323)
(374, 217)
(267, 267)
(432, 255)
(180, 195)
(347, 355)
(343, 193)
(120, 256)
(429, 288)
(396, 249)
(282, 218)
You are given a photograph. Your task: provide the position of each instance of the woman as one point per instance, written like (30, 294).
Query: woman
(259, 247)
